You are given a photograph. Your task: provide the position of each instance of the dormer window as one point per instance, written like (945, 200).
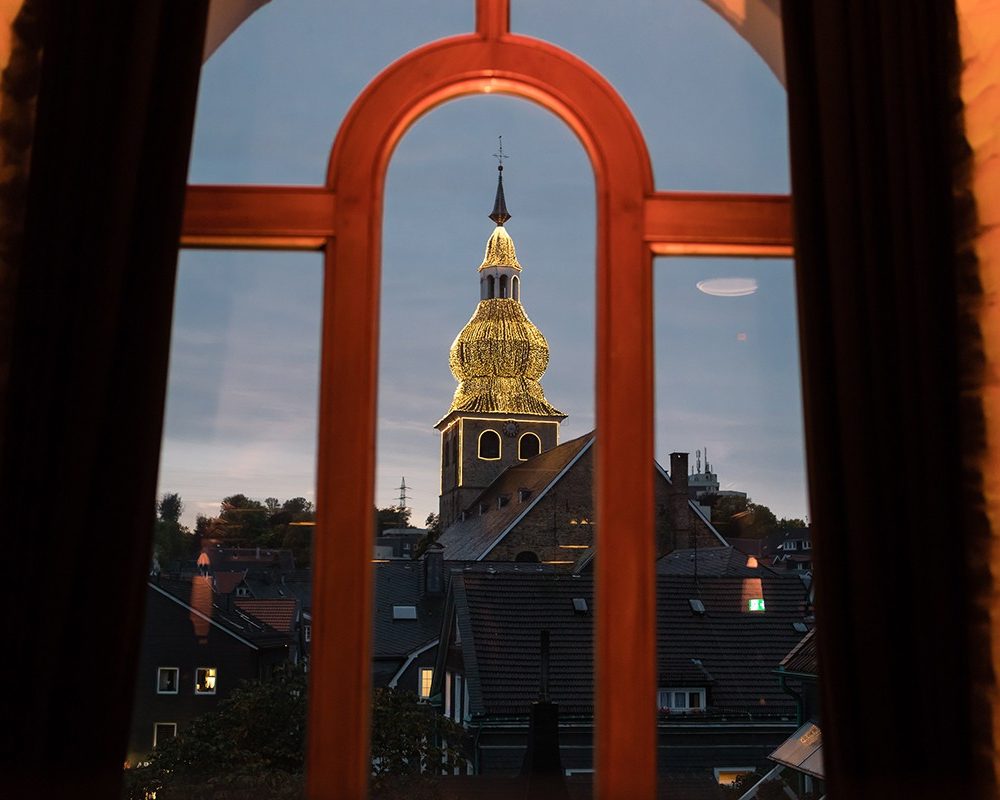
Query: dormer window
(502, 500)
(681, 700)
(242, 591)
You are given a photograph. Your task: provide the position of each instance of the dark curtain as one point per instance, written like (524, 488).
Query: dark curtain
(88, 354)
(882, 221)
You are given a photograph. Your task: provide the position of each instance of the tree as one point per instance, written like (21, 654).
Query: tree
(244, 519)
(170, 507)
(171, 540)
(740, 516)
(253, 745)
(410, 741)
(433, 526)
(392, 517)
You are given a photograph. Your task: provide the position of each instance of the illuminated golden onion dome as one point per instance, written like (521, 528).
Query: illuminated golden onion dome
(500, 251)
(499, 357)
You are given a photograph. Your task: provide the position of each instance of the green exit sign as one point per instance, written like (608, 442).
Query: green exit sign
(756, 603)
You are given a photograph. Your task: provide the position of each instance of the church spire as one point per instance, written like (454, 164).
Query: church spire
(500, 214)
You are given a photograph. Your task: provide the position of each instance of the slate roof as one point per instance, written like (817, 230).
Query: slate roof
(226, 582)
(710, 561)
(728, 649)
(295, 584)
(236, 559)
(401, 583)
(196, 593)
(802, 660)
(469, 539)
(278, 614)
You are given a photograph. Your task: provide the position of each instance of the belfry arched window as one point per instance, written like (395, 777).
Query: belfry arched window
(504, 282)
(515, 288)
(528, 446)
(635, 222)
(489, 445)
(490, 287)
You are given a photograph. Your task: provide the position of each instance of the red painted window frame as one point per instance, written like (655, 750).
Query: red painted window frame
(343, 219)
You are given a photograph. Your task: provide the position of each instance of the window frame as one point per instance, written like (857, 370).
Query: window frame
(215, 684)
(421, 671)
(635, 223)
(670, 691)
(520, 442)
(157, 725)
(177, 680)
(479, 446)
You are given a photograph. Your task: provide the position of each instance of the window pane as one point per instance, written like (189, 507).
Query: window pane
(484, 625)
(713, 114)
(273, 95)
(732, 602)
(228, 601)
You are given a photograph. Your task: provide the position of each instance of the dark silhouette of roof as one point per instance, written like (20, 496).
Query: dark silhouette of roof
(196, 595)
(710, 561)
(802, 660)
(727, 649)
(401, 583)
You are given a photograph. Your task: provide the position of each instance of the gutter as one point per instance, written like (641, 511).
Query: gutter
(796, 696)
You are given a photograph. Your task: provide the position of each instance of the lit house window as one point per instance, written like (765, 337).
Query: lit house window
(167, 679)
(727, 776)
(162, 731)
(307, 632)
(680, 701)
(426, 679)
(755, 604)
(204, 680)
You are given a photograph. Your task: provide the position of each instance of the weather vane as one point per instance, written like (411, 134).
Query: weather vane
(499, 155)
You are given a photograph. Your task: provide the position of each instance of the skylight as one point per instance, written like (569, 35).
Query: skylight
(404, 612)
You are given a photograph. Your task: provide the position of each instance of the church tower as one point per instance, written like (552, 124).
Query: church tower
(499, 416)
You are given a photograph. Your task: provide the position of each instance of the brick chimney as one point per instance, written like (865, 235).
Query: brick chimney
(678, 511)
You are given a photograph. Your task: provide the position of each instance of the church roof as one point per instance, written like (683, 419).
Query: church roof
(500, 251)
(499, 357)
(474, 537)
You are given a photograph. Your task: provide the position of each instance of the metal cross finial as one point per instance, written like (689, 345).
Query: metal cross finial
(499, 155)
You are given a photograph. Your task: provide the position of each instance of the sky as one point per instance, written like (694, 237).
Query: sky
(241, 404)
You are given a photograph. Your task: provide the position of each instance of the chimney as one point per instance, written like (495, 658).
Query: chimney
(679, 471)
(681, 533)
(434, 569)
(542, 767)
